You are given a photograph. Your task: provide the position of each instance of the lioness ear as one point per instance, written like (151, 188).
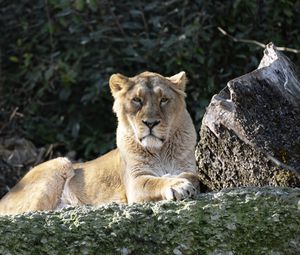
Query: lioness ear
(179, 80)
(117, 82)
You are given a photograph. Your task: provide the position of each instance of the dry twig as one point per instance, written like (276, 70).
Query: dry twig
(262, 45)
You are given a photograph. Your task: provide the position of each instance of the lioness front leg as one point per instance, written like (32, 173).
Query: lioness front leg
(178, 188)
(193, 178)
(151, 188)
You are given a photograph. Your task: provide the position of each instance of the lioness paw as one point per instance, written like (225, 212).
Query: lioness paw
(179, 189)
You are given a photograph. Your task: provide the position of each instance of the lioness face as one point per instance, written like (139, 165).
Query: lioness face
(149, 104)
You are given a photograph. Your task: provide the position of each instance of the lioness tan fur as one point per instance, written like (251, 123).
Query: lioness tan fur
(154, 159)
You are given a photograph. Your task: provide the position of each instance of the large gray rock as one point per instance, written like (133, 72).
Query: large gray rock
(250, 134)
(234, 221)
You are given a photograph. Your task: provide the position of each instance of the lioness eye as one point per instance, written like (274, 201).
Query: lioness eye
(137, 100)
(164, 100)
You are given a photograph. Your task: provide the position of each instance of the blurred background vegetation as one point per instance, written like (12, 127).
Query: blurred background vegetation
(57, 56)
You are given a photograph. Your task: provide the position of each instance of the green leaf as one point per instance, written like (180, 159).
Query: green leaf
(64, 94)
(93, 5)
(49, 73)
(79, 4)
(14, 59)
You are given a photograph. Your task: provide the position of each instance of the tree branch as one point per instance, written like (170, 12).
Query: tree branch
(262, 45)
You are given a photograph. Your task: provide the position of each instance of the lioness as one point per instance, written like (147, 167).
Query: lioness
(154, 159)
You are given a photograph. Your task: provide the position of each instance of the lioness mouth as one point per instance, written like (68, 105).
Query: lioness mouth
(152, 136)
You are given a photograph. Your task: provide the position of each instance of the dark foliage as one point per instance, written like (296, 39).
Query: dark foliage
(57, 56)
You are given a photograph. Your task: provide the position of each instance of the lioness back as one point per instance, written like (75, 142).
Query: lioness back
(154, 159)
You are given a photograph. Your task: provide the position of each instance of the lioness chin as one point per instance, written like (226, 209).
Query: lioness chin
(154, 159)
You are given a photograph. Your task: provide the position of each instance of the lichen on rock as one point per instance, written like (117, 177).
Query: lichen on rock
(234, 221)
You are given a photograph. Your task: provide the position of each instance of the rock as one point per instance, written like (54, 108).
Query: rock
(234, 221)
(17, 155)
(250, 134)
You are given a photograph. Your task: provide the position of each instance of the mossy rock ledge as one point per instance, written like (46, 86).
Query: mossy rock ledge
(234, 221)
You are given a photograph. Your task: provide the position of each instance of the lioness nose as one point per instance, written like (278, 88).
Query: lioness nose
(151, 124)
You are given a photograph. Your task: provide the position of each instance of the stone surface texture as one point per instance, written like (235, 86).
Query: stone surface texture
(233, 221)
(250, 134)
